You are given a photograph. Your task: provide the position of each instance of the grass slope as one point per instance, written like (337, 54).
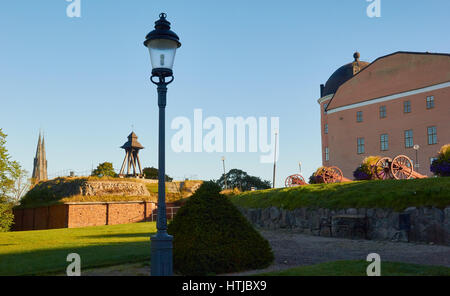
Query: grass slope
(358, 268)
(58, 191)
(45, 251)
(394, 194)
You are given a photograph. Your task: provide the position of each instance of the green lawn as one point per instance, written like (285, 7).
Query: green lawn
(394, 194)
(45, 251)
(358, 268)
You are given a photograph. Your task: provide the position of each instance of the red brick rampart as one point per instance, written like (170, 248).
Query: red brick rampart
(73, 215)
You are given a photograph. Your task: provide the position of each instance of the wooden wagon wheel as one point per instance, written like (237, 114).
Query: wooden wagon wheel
(382, 169)
(295, 180)
(401, 167)
(332, 175)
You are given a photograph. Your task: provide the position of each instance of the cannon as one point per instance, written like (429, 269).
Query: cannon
(399, 168)
(295, 180)
(332, 174)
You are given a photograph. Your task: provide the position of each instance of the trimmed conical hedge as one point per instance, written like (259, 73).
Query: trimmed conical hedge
(211, 236)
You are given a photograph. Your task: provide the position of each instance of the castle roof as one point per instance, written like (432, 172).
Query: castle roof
(344, 73)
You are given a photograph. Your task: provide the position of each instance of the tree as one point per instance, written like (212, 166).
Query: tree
(152, 173)
(22, 185)
(8, 171)
(104, 170)
(239, 179)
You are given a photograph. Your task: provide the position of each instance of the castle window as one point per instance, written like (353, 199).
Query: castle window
(383, 112)
(407, 106)
(384, 142)
(430, 102)
(432, 135)
(327, 154)
(409, 139)
(325, 108)
(359, 116)
(325, 129)
(360, 145)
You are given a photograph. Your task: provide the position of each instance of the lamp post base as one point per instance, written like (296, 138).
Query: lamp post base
(161, 254)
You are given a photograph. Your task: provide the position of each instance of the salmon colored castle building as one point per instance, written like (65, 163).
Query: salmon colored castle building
(386, 108)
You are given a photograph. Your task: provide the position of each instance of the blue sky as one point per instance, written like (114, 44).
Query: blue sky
(84, 81)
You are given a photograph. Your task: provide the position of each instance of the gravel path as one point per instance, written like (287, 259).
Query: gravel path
(294, 249)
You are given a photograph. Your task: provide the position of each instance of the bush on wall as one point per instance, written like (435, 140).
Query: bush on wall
(315, 178)
(441, 165)
(365, 170)
(211, 236)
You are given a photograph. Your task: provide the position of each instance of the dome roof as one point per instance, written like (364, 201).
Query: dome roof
(343, 74)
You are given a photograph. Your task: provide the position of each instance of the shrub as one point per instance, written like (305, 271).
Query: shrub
(441, 165)
(6, 217)
(315, 178)
(211, 236)
(365, 170)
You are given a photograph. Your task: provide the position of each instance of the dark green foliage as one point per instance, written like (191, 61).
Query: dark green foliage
(9, 170)
(152, 173)
(104, 170)
(240, 179)
(313, 179)
(211, 236)
(6, 217)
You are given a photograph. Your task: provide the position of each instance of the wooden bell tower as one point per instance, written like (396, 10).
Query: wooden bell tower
(131, 161)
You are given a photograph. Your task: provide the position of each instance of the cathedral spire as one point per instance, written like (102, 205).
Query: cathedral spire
(40, 162)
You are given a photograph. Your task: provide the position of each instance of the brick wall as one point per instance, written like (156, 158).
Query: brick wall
(73, 215)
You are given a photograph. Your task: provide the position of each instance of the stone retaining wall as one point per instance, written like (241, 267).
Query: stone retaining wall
(427, 225)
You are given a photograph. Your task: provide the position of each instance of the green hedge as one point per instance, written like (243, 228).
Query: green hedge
(211, 237)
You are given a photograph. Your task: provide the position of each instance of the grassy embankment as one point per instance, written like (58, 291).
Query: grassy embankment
(394, 194)
(58, 191)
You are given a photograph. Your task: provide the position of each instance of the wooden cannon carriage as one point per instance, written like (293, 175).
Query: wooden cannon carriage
(329, 175)
(325, 175)
(401, 167)
(295, 180)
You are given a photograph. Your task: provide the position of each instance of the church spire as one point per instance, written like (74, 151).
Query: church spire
(40, 162)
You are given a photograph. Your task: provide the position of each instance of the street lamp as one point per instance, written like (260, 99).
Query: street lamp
(162, 44)
(224, 172)
(275, 159)
(417, 147)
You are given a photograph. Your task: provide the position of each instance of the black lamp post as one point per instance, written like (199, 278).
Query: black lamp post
(162, 44)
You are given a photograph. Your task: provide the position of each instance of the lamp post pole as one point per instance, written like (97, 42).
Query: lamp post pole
(162, 44)
(224, 172)
(275, 159)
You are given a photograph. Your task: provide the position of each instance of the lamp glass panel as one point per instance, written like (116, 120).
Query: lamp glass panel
(162, 53)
